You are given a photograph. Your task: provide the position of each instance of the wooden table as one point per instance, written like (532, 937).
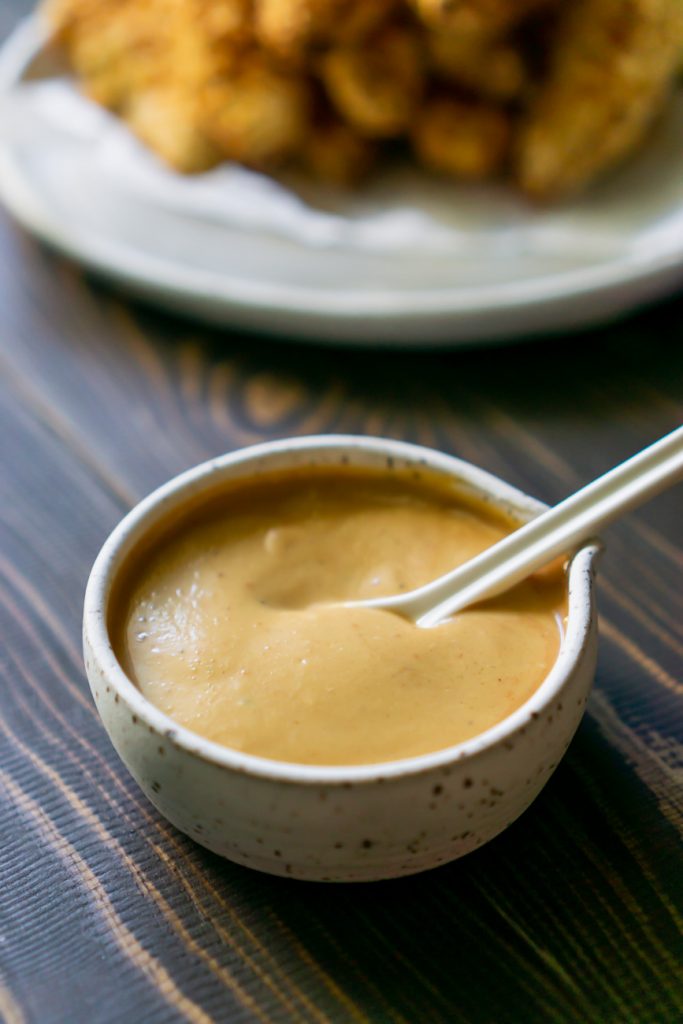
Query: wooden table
(107, 914)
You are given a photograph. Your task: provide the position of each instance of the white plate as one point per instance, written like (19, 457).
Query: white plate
(410, 260)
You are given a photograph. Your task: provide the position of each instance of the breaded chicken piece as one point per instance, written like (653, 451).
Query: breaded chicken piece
(114, 49)
(337, 154)
(475, 18)
(493, 68)
(610, 72)
(376, 86)
(462, 138)
(182, 74)
(257, 114)
(204, 43)
(168, 122)
(291, 28)
(250, 110)
(252, 80)
(120, 46)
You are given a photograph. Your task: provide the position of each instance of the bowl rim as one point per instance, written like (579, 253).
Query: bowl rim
(202, 477)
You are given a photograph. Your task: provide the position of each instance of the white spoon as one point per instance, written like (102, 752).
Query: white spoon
(559, 531)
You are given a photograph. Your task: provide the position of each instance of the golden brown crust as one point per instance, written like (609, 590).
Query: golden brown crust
(335, 153)
(376, 86)
(492, 68)
(610, 72)
(292, 29)
(475, 18)
(257, 115)
(313, 82)
(168, 122)
(113, 49)
(462, 138)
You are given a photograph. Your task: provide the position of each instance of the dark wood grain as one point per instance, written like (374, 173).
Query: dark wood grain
(107, 914)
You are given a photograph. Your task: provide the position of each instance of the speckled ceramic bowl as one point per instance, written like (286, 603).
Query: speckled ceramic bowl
(338, 823)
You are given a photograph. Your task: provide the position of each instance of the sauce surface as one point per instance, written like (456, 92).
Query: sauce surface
(224, 624)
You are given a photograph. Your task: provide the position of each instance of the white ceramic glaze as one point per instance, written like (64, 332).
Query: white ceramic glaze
(407, 260)
(335, 823)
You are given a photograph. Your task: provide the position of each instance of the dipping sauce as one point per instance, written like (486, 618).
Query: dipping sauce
(228, 624)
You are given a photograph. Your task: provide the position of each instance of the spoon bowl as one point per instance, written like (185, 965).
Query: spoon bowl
(555, 532)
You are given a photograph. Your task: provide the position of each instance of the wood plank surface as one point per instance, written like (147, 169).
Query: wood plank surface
(107, 914)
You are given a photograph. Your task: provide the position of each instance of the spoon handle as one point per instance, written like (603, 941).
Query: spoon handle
(555, 532)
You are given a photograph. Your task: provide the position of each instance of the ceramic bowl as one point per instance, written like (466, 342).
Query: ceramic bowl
(355, 823)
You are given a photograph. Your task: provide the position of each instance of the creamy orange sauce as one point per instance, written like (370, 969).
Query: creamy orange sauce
(228, 624)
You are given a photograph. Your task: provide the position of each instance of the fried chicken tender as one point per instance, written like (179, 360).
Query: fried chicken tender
(554, 92)
(291, 28)
(257, 115)
(376, 86)
(181, 74)
(492, 68)
(476, 19)
(611, 69)
(168, 122)
(202, 43)
(113, 48)
(462, 138)
(335, 153)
